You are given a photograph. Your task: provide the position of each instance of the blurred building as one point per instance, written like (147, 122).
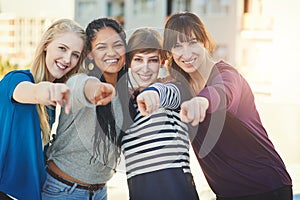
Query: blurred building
(20, 30)
(19, 37)
(248, 32)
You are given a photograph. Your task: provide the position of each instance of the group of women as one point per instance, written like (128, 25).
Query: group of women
(110, 110)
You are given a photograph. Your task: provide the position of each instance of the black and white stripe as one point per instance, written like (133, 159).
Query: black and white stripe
(159, 141)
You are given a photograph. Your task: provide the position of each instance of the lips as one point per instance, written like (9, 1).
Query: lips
(144, 77)
(61, 66)
(110, 61)
(189, 62)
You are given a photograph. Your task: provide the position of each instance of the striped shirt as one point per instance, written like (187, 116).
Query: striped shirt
(159, 141)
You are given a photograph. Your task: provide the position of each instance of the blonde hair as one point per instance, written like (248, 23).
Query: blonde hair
(39, 68)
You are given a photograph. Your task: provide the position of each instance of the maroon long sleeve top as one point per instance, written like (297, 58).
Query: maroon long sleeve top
(232, 145)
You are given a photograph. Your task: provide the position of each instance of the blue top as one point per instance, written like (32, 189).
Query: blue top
(21, 156)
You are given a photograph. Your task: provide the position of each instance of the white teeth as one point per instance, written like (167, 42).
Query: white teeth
(111, 60)
(61, 66)
(189, 62)
(145, 76)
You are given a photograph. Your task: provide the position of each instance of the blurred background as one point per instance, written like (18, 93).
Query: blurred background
(258, 37)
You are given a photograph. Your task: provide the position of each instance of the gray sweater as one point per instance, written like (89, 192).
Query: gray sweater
(73, 147)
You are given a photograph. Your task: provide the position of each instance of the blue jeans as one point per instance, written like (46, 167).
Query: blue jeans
(56, 190)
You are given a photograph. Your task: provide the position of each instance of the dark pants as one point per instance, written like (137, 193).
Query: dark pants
(167, 184)
(4, 196)
(284, 193)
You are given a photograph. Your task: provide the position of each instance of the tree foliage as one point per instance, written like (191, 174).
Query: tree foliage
(6, 66)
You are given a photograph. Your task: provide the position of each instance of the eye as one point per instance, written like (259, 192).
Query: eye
(62, 48)
(75, 55)
(193, 41)
(177, 45)
(101, 47)
(138, 59)
(118, 45)
(154, 60)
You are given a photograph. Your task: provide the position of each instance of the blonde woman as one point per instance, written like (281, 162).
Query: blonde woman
(25, 94)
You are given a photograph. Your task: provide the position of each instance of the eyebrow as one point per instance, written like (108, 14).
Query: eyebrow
(187, 40)
(104, 43)
(143, 56)
(68, 47)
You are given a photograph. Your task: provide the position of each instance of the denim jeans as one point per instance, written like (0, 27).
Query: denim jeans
(56, 190)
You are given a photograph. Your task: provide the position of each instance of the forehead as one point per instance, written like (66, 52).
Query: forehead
(69, 39)
(147, 54)
(184, 37)
(106, 35)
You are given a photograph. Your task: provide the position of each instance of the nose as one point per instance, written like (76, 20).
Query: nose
(67, 58)
(186, 52)
(145, 66)
(111, 51)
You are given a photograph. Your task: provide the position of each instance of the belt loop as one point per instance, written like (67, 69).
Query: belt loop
(72, 188)
(91, 193)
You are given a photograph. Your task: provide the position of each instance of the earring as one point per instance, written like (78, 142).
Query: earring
(91, 66)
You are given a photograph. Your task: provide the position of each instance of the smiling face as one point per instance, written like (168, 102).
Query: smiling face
(108, 51)
(145, 68)
(188, 54)
(63, 54)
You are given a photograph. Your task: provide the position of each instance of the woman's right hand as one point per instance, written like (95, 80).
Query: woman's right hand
(45, 93)
(148, 102)
(104, 93)
(99, 93)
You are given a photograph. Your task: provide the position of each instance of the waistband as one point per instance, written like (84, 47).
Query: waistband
(91, 187)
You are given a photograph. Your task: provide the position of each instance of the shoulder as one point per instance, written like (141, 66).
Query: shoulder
(224, 71)
(78, 80)
(166, 79)
(19, 75)
(12, 79)
(223, 67)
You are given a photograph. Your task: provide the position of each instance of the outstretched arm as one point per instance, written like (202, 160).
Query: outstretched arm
(45, 93)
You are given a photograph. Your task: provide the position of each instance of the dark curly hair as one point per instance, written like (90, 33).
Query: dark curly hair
(105, 114)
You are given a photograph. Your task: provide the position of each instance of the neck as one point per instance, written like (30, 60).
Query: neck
(111, 78)
(200, 77)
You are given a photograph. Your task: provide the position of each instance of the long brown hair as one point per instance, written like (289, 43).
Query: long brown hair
(181, 26)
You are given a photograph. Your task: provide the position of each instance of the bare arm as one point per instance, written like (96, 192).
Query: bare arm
(45, 93)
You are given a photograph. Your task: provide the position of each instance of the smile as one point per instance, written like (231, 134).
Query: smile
(61, 66)
(144, 77)
(111, 61)
(189, 61)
